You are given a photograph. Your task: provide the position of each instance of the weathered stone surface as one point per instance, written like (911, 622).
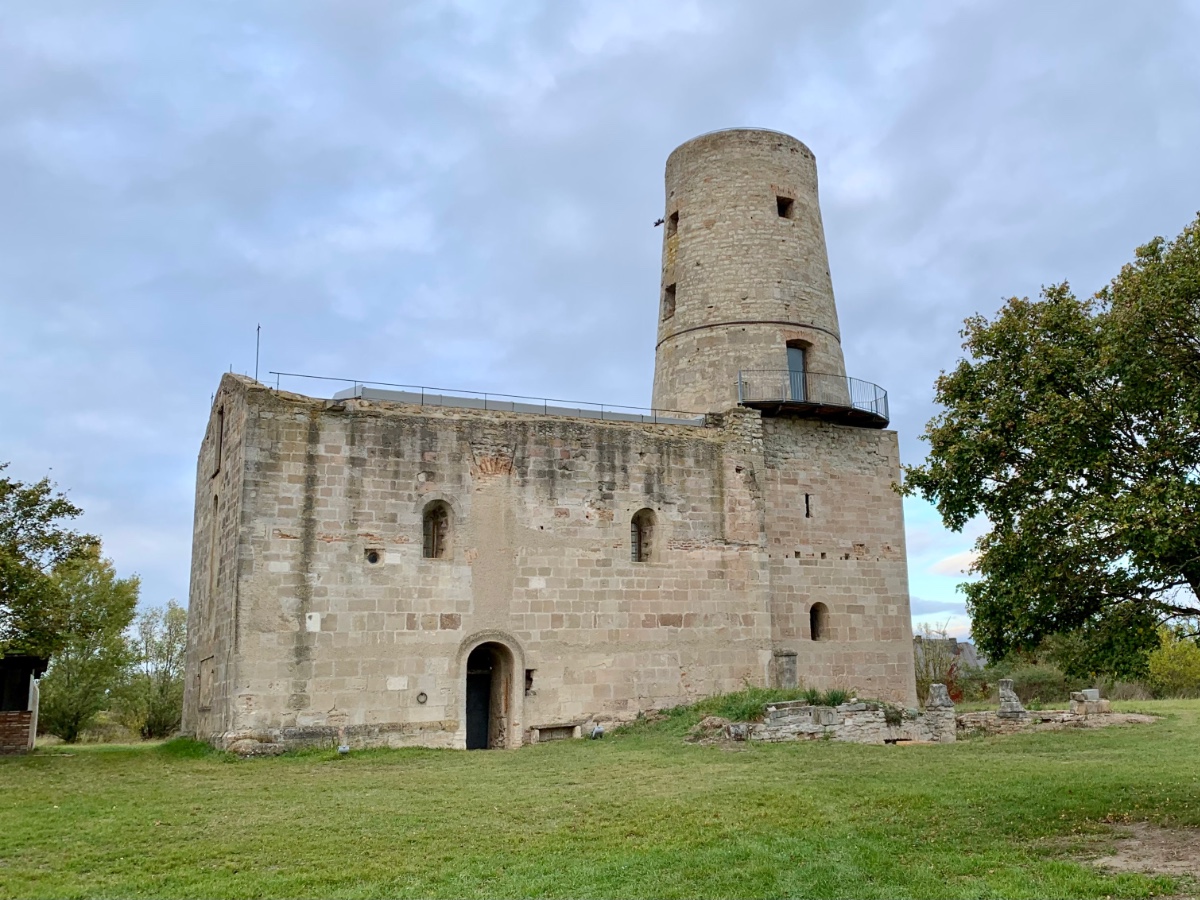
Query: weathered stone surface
(725, 240)
(862, 723)
(993, 723)
(938, 697)
(1089, 707)
(1010, 703)
(315, 613)
(251, 747)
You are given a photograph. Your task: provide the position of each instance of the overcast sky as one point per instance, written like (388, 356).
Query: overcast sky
(461, 194)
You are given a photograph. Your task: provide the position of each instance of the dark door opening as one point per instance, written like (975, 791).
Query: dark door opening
(479, 698)
(489, 677)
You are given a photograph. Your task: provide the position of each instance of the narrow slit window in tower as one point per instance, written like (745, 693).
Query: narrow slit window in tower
(220, 448)
(673, 223)
(214, 537)
(669, 301)
(808, 506)
(784, 206)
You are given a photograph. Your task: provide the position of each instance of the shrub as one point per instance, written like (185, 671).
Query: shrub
(150, 699)
(1036, 682)
(105, 729)
(1175, 665)
(938, 663)
(82, 673)
(831, 697)
(1125, 690)
(741, 706)
(974, 683)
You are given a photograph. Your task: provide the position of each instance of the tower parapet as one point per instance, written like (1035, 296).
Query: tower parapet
(745, 274)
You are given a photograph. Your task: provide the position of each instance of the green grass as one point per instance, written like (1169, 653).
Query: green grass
(636, 814)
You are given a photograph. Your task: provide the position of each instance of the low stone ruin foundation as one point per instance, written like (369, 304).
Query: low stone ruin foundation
(1087, 710)
(861, 722)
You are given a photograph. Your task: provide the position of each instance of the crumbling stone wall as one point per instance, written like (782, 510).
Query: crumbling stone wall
(857, 722)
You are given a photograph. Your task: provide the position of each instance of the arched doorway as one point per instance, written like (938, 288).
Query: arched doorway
(489, 692)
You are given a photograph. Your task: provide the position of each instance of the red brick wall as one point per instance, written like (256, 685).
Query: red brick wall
(14, 731)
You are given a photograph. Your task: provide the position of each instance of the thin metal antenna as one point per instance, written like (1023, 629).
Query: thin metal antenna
(257, 342)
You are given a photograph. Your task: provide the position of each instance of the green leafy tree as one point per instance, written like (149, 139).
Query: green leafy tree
(34, 539)
(1073, 428)
(1175, 665)
(150, 700)
(94, 654)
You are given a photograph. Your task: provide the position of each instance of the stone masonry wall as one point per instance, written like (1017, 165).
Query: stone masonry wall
(307, 641)
(857, 722)
(747, 279)
(539, 562)
(220, 520)
(835, 535)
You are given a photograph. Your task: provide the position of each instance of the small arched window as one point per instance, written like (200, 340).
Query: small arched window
(641, 535)
(818, 622)
(436, 528)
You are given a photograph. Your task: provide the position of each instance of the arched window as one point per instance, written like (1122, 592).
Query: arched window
(818, 622)
(436, 531)
(641, 535)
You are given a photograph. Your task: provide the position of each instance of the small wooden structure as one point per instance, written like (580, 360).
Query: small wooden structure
(19, 702)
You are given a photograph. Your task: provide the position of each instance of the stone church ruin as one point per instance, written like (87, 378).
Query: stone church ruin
(398, 567)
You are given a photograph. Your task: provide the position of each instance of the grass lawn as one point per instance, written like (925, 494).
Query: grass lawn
(639, 814)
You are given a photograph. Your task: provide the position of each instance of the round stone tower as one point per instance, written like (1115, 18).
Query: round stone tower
(745, 277)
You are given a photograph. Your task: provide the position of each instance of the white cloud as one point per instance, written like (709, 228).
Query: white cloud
(955, 564)
(476, 182)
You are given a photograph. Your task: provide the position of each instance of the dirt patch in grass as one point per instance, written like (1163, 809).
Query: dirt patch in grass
(1106, 719)
(713, 731)
(1152, 849)
(1142, 848)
